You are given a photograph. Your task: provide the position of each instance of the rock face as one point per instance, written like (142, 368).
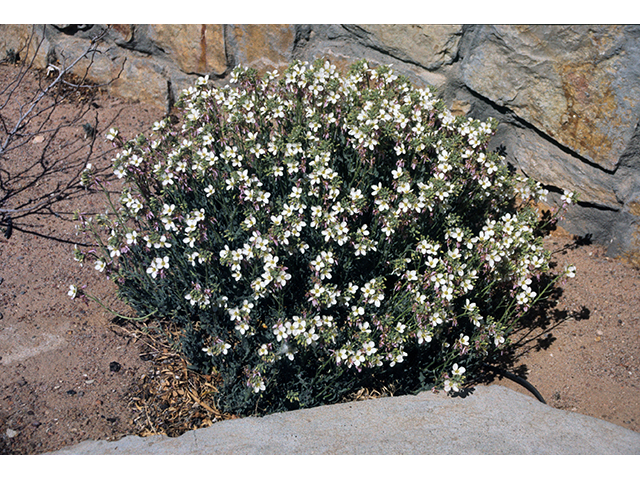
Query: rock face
(574, 83)
(567, 97)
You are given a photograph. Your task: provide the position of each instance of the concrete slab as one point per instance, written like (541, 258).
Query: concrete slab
(491, 420)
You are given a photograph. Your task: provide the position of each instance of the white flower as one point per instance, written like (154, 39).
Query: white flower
(208, 351)
(113, 133)
(156, 265)
(258, 386)
(369, 348)
(191, 257)
(132, 238)
(570, 271)
(162, 242)
(100, 265)
(162, 262)
(423, 337)
(242, 328)
(357, 358)
(567, 196)
(398, 358)
(73, 291)
(356, 194)
(456, 370)
(449, 385)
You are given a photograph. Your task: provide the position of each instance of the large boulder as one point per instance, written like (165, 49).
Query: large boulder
(578, 84)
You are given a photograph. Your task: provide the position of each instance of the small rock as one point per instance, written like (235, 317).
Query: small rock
(115, 366)
(11, 433)
(71, 392)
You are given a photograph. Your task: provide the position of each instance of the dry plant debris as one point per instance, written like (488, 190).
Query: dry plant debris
(172, 398)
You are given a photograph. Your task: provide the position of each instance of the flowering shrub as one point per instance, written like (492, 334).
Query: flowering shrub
(314, 233)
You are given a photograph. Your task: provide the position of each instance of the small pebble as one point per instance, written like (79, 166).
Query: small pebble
(11, 433)
(115, 366)
(71, 392)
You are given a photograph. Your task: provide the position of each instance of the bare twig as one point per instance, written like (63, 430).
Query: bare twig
(26, 116)
(31, 124)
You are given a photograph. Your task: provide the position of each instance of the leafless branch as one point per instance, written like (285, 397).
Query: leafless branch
(31, 125)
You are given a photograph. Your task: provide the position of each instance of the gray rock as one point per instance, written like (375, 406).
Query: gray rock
(490, 421)
(577, 83)
(429, 46)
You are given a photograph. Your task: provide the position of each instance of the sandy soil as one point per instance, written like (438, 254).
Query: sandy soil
(68, 373)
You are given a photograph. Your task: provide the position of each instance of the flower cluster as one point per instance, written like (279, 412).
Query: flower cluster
(349, 221)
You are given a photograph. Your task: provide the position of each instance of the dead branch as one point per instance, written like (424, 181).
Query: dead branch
(30, 128)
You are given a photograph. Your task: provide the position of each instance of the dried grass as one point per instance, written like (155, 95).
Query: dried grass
(171, 398)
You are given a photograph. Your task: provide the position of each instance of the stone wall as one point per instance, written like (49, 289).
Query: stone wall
(566, 96)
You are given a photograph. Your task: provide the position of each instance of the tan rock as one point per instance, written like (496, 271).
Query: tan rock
(18, 37)
(264, 47)
(142, 80)
(460, 107)
(196, 49)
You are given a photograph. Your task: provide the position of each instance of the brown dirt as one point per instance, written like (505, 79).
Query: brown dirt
(68, 373)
